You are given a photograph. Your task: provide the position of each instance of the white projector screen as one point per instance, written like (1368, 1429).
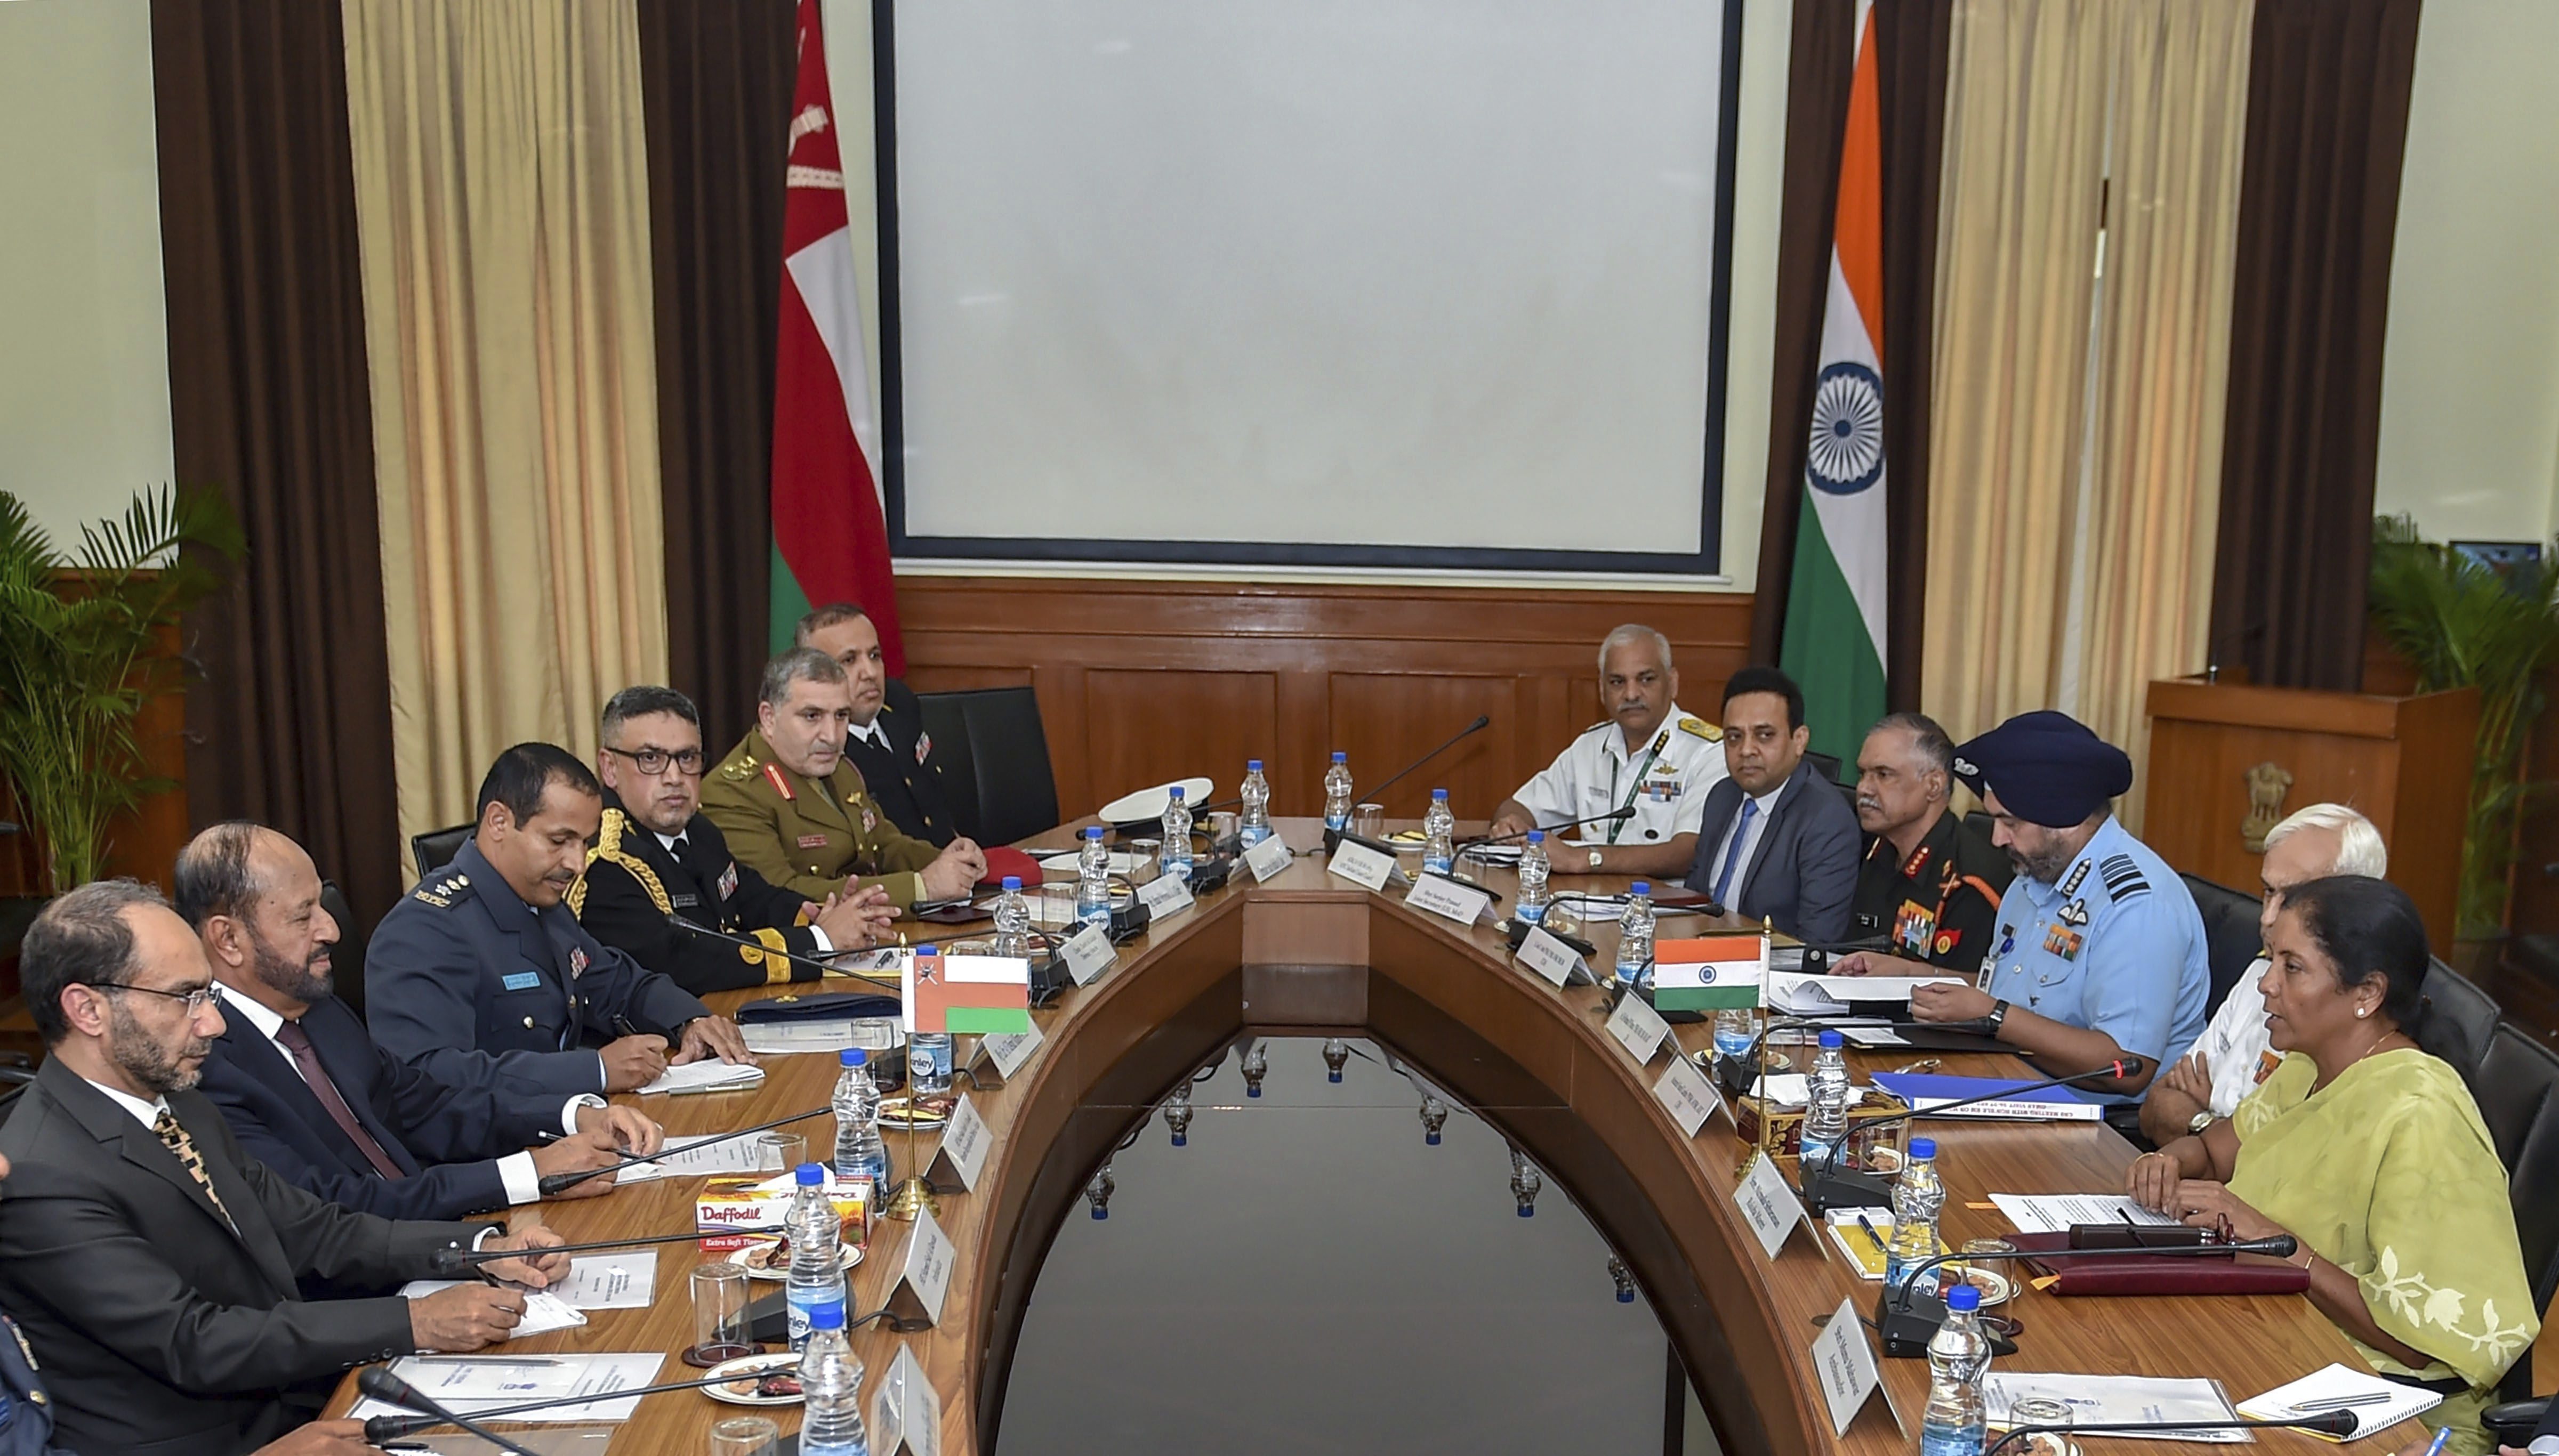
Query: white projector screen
(1326, 282)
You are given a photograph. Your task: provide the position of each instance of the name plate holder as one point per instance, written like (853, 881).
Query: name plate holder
(999, 1056)
(906, 1411)
(1269, 858)
(1551, 960)
(1638, 1027)
(1771, 1209)
(1087, 953)
(1362, 866)
(1845, 1363)
(1686, 1092)
(1165, 895)
(923, 1277)
(1449, 899)
(961, 1154)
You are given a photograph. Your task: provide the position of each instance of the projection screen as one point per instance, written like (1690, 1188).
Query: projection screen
(1325, 282)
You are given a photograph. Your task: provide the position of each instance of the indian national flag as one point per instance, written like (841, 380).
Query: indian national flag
(1710, 973)
(989, 995)
(1834, 639)
(830, 540)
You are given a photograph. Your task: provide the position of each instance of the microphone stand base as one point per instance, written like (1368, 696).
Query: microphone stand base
(1906, 1322)
(912, 1197)
(1846, 1190)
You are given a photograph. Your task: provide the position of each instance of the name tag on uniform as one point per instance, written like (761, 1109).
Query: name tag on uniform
(685, 902)
(813, 841)
(522, 980)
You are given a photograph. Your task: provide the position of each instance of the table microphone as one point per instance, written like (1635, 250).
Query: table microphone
(1907, 1319)
(448, 1262)
(1610, 817)
(382, 1385)
(794, 957)
(2329, 1423)
(1333, 837)
(555, 1184)
(1839, 1188)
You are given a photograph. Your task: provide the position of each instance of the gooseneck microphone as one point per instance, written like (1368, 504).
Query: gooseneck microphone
(446, 1263)
(1907, 1319)
(1610, 817)
(382, 1385)
(1837, 1188)
(709, 932)
(553, 1184)
(1377, 795)
(2332, 1424)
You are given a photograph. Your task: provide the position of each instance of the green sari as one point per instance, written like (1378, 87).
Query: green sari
(2388, 1174)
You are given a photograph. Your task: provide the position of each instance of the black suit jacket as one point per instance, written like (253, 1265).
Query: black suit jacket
(445, 1137)
(1803, 876)
(904, 779)
(160, 1330)
(633, 883)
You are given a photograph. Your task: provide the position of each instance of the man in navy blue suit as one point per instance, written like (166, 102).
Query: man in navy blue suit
(1777, 841)
(308, 1093)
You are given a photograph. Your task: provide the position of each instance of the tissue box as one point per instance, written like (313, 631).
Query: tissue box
(729, 1206)
(1878, 1151)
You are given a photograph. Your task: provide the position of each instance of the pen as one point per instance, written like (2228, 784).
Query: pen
(485, 1360)
(1876, 1238)
(2343, 1402)
(2443, 1437)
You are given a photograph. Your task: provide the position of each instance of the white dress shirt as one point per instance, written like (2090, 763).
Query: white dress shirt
(146, 1114)
(1756, 833)
(870, 732)
(2236, 1047)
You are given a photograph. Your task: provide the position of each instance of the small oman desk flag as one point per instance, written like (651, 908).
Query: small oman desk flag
(1834, 639)
(830, 540)
(989, 995)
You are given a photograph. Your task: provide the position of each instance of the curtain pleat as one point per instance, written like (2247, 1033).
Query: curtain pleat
(292, 722)
(500, 190)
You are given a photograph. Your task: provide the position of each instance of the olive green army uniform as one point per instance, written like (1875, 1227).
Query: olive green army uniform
(806, 834)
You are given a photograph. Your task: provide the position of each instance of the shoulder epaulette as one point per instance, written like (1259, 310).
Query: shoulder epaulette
(739, 768)
(2123, 878)
(446, 888)
(608, 848)
(1595, 727)
(1701, 728)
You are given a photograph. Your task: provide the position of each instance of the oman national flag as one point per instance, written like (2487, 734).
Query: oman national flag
(830, 540)
(1834, 637)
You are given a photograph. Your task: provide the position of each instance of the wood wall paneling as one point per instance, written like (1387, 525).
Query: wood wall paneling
(1141, 681)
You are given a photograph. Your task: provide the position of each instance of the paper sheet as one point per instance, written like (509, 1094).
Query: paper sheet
(1786, 1089)
(705, 1075)
(612, 1281)
(787, 1038)
(702, 1157)
(2054, 1213)
(2120, 1399)
(470, 1384)
(544, 1311)
(2325, 1388)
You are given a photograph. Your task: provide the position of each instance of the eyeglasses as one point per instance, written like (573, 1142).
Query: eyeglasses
(656, 760)
(197, 1000)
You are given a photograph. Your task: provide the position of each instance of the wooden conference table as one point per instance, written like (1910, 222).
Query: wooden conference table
(1312, 953)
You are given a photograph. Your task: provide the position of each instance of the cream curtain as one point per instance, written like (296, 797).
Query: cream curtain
(501, 211)
(2077, 432)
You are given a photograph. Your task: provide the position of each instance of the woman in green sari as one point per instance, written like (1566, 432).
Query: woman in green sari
(2368, 1151)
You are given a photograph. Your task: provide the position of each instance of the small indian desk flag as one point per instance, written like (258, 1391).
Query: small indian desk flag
(988, 995)
(1710, 973)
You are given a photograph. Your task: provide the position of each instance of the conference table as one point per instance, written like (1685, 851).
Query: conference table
(1310, 953)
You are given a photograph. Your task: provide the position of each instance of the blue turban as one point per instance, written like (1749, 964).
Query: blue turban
(2046, 768)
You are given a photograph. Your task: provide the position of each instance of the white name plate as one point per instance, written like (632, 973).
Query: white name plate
(1449, 899)
(1683, 1089)
(1010, 1052)
(1165, 895)
(1637, 1027)
(925, 1277)
(1361, 865)
(1269, 857)
(963, 1145)
(906, 1411)
(1087, 953)
(1769, 1207)
(1847, 1366)
(1552, 959)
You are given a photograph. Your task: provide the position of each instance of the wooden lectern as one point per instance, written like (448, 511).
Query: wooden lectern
(2229, 760)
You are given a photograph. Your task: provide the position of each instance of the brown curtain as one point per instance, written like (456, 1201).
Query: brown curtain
(269, 398)
(1910, 55)
(2318, 206)
(715, 78)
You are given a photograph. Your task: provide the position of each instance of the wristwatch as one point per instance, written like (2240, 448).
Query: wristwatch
(1999, 1014)
(1594, 859)
(2199, 1121)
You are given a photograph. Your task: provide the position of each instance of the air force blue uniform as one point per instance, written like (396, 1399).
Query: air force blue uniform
(473, 986)
(26, 1412)
(2114, 946)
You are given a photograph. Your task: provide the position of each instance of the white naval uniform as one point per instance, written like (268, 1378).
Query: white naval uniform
(1665, 780)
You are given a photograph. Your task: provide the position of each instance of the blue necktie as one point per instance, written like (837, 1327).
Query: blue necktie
(1733, 856)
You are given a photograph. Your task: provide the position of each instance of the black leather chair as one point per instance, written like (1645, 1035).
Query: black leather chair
(346, 958)
(2230, 938)
(2518, 1091)
(435, 848)
(995, 756)
(1826, 765)
(2460, 1019)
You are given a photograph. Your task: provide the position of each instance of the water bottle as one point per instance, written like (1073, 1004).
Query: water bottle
(831, 1378)
(1733, 1034)
(1635, 937)
(1337, 792)
(860, 1152)
(1438, 835)
(1092, 881)
(1535, 867)
(1012, 920)
(1255, 825)
(1826, 1108)
(1175, 858)
(927, 1053)
(1918, 1195)
(1959, 1359)
(817, 1278)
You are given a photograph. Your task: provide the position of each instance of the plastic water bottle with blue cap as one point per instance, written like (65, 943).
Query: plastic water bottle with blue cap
(927, 1053)
(1254, 824)
(1917, 1196)
(816, 1281)
(1012, 920)
(859, 1150)
(1337, 792)
(1635, 937)
(1092, 881)
(1176, 857)
(1534, 869)
(1959, 1362)
(1826, 1106)
(830, 1383)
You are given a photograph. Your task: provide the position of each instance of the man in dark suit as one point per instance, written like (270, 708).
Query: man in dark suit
(308, 1093)
(658, 856)
(157, 1268)
(480, 975)
(887, 741)
(1777, 841)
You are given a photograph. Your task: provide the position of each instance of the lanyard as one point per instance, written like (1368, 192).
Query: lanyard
(1661, 740)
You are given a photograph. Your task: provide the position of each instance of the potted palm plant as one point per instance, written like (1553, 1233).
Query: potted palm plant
(2466, 625)
(85, 650)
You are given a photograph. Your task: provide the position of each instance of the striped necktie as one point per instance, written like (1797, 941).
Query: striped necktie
(176, 1142)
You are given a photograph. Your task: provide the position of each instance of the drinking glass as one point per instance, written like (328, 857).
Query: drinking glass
(2042, 1410)
(1368, 820)
(744, 1435)
(780, 1152)
(719, 1316)
(1143, 859)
